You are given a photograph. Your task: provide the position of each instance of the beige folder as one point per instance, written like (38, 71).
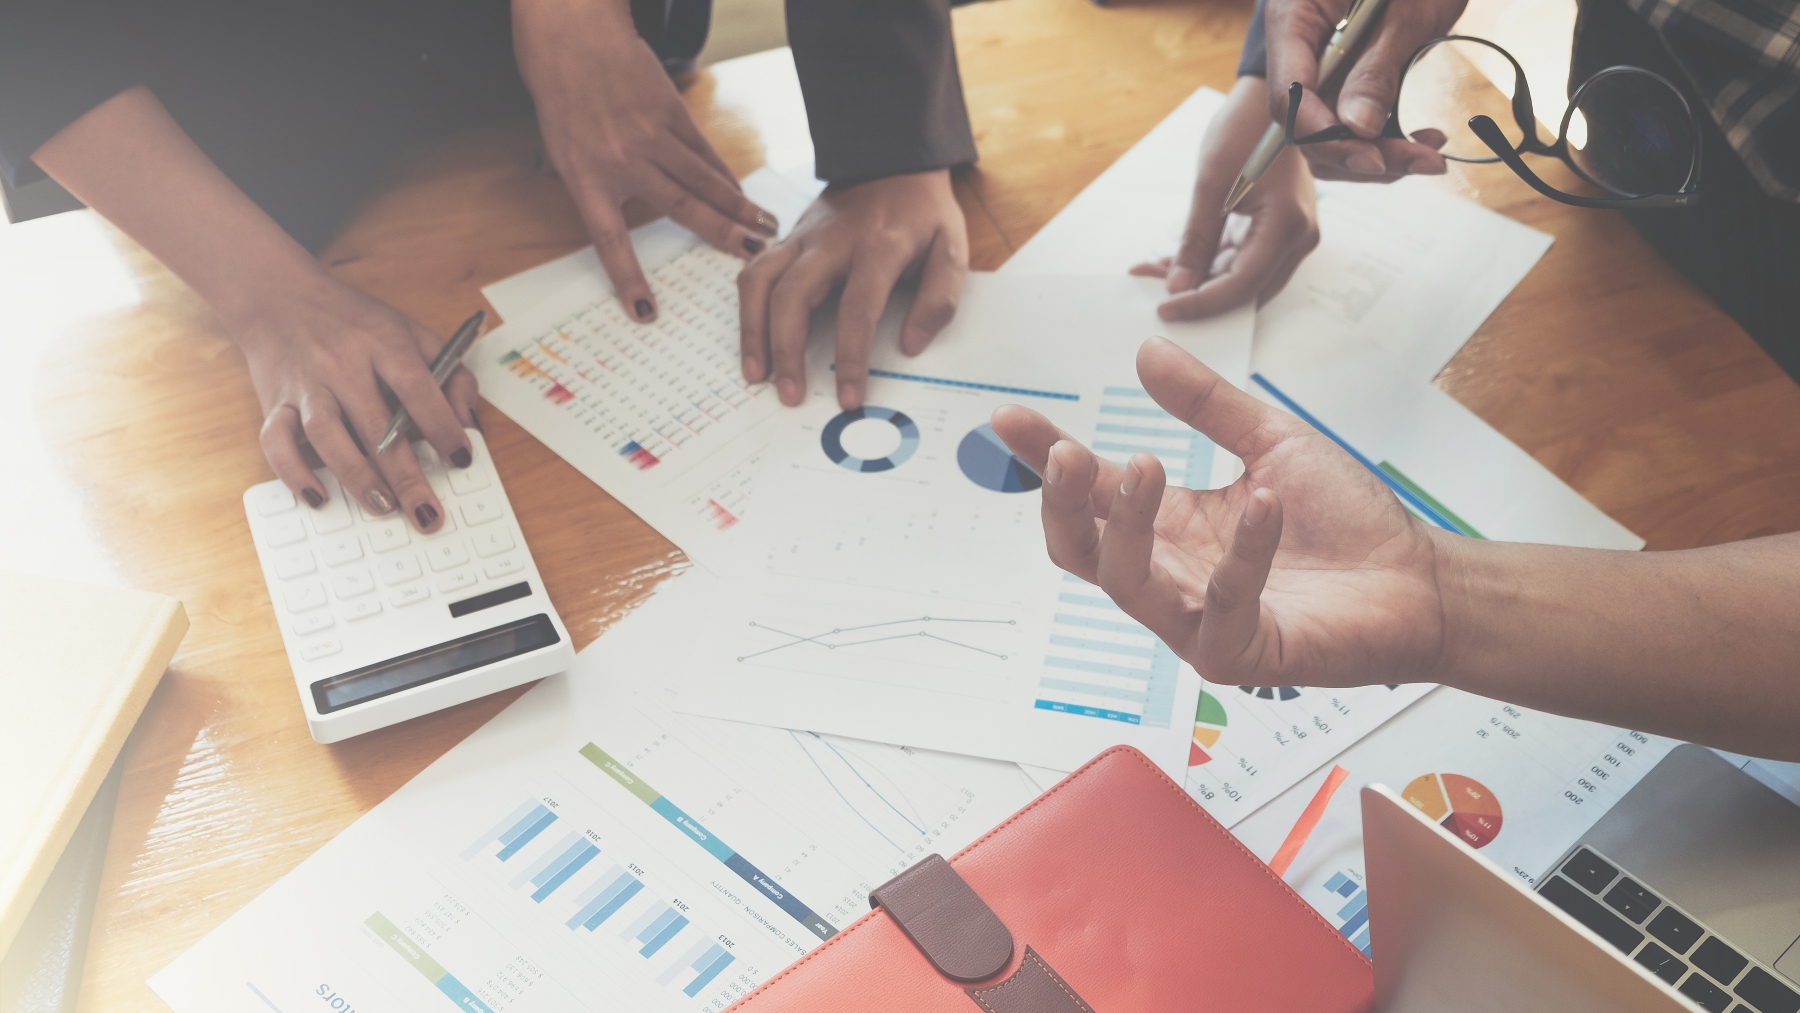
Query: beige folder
(77, 665)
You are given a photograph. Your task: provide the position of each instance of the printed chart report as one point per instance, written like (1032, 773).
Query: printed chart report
(589, 851)
(1519, 785)
(895, 584)
(1251, 743)
(657, 414)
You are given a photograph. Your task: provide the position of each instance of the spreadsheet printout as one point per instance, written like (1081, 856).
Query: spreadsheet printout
(657, 414)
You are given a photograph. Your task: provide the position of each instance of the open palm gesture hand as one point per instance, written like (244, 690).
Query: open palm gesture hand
(1305, 571)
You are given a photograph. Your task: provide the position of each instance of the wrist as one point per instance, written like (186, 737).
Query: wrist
(1480, 596)
(248, 302)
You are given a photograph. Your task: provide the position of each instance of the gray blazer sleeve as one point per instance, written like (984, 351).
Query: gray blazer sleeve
(883, 95)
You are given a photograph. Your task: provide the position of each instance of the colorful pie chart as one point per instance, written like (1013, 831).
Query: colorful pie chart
(1209, 721)
(983, 456)
(1461, 805)
(831, 439)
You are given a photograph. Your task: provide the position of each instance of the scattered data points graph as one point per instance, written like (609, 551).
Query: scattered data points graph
(858, 636)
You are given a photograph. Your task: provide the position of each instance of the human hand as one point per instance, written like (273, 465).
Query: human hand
(320, 357)
(868, 237)
(1297, 31)
(1307, 570)
(1225, 261)
(615, 128)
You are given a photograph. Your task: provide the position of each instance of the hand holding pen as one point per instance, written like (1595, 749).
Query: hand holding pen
(1368, 65)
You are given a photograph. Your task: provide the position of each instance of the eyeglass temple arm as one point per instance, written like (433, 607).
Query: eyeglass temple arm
(1491, 135)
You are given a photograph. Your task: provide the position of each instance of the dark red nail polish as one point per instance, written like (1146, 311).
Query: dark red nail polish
(426, 515)
(753, 245)
(460, 457)
(643, 309)
(312, 497)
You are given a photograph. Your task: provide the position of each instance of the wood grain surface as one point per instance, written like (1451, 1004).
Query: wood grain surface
(1603, 364)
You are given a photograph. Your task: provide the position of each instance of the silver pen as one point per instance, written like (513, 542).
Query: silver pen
(1356, 21)
(441, 368)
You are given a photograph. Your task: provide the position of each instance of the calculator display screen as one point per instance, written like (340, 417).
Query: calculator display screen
(433, 663)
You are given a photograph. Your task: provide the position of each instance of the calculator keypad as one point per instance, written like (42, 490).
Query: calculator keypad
(334, 569)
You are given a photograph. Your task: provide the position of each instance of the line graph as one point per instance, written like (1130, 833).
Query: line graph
(812, 745)
(824, 639)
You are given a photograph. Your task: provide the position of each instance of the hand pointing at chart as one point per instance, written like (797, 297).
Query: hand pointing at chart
(1308, 571)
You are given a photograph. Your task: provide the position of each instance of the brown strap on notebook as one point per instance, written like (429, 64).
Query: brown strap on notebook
(946, 920)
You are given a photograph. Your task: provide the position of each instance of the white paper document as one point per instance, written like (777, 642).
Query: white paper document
(785, 195)
(1520, 785)
(656, 414)
(590, 850)
(1404, 274)
(1408, 267)
(894, 583)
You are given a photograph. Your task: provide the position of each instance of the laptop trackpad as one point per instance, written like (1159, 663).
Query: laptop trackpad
(1715, 841)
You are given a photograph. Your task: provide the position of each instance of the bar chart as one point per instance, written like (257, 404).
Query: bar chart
(1131, 423)
(738, 864)
(586, 879)
(604, 898)
(1102, 664)
(696, 967)
(556, 867)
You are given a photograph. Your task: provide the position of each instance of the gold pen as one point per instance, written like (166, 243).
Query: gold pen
(441, 368)
(1350, 29)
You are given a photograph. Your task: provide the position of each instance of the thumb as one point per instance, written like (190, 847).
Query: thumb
(1231, 621)
(1372, 86)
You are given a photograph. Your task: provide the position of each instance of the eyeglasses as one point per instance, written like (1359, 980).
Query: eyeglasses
(1628, 131)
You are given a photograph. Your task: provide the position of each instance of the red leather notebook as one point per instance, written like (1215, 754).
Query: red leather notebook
(1113, 892)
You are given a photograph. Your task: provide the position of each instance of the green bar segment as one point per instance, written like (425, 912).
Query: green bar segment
(1399, 476)
(403, 945)
(421, 961)
(620, 773)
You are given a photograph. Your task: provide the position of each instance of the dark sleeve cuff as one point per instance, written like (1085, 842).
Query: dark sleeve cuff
(58, 59)
(883, 95)
(1254, 61)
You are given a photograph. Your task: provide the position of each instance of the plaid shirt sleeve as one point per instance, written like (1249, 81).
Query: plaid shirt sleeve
(1743, 59)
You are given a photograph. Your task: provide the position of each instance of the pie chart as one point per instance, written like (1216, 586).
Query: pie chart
(1209, 721)
(831, 440)
(983, 457)
(1461, 805)
(1272, 692)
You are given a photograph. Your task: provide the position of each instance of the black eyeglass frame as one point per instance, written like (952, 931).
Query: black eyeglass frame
(1505, 151)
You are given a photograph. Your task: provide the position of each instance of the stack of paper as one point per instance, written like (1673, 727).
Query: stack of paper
(873, 629)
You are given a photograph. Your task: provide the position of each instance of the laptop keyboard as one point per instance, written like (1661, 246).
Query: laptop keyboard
(1664, 939)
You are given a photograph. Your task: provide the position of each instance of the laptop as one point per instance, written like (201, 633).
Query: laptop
(1685, 896)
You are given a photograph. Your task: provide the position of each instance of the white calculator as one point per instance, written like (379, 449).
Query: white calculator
(382, 623)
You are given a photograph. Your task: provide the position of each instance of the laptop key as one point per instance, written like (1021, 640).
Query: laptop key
(1675, 930)
(1589, 912)
(1705, 994)
(1760, 989)
(1590, 870)
(1719, 960)
(1632, 900)
(1661, 962)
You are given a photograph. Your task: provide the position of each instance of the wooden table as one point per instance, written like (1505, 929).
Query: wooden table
(1603, 364)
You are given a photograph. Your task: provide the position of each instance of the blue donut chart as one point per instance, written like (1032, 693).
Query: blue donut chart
(985, 459)
(832, 439)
